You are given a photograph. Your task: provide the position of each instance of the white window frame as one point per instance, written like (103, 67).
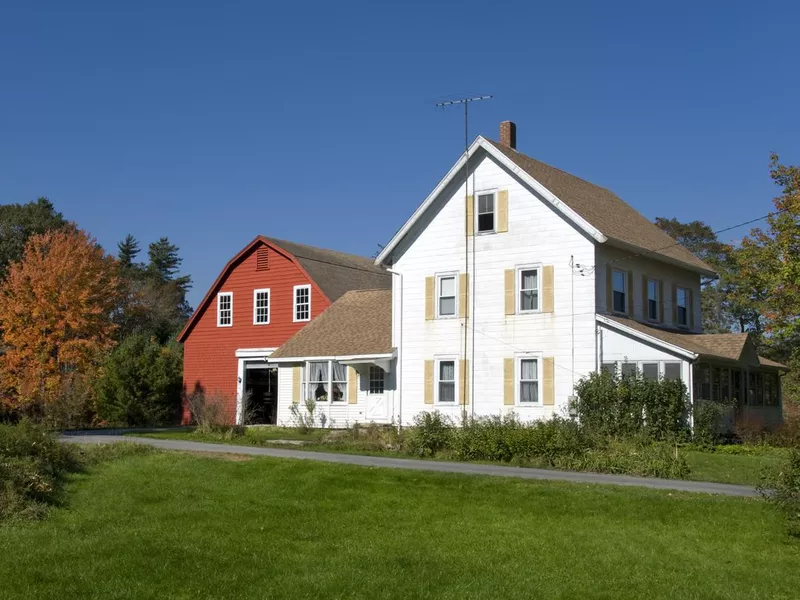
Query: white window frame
(663, 369)
(375, 369)
(255, 306)
(662, 366)
(437, 361)
(476, 196)
(437, 291)
(686, 306)
(656, 299)
(330, 381)
(539, 358)
(219, 309)
(518, 288)
(625, 291)
(296, 288)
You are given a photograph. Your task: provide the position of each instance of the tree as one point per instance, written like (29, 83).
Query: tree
(154, 301)
(127, 251)
(718, 315)
(55, 312)
(18, 222)
(141, 383)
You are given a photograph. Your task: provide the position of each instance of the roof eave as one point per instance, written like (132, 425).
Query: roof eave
(646, 337)
(655, 255)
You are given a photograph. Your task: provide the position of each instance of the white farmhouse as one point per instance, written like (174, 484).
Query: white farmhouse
(511, 281)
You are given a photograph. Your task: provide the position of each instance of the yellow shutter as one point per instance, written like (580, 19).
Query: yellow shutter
(430, 306)
(502, 211)
(463, 382)
(548, 381)
(428, 382)
(508, 381)
(645, 303)
(609, 289)
(297, 383)
(352, 386)
(463, 295)
(470, 216)
(674, 305)
(510, 291)
(630, 293)
(661, 301)
(548, 300)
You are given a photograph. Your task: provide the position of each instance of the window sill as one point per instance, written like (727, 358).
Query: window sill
(445, 317)
(267, 323)
(300, 320)
(529, 312)
(482, 233)
(229, 325)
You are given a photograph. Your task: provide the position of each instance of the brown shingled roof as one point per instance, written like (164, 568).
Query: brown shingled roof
(360, 322)
(728, 346)
(604, 210)
(336, 272)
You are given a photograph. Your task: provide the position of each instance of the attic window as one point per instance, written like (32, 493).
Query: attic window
(262, 259)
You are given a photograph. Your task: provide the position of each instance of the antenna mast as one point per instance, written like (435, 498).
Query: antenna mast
(467, 314)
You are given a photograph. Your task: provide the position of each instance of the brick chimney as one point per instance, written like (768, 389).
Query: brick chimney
(508, 134)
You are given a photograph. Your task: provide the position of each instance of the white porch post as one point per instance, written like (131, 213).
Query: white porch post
(240, 391)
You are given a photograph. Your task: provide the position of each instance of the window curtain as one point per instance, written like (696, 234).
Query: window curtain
(339, 383)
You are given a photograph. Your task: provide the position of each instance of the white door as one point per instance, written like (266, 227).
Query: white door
(377, 408)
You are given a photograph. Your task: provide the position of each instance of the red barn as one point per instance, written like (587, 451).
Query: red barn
(266, 293)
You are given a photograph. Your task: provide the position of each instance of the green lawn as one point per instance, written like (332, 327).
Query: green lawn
(170, 525)
(731, 468)
(745, 469)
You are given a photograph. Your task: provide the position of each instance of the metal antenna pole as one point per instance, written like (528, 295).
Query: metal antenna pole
(471, 375)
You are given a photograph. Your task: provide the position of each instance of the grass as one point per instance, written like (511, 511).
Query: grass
(718, 467)
(170, 525)
(744, 469)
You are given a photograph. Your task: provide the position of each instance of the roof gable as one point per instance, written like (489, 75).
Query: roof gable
(601, 214)
(333, 273)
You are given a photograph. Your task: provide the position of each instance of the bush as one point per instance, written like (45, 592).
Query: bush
(624, 406)
(141, 383)
(74, 405)
(432, 433)
(306, 420)
(209, 412)
(709, 417)
(787, 434)
(633, 456)
(33, 465)
(782, 488)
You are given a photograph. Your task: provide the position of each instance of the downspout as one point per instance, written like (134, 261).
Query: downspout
(399, 369)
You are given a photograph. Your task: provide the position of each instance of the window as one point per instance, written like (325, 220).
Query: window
(485, 213)
(619, 285)
(682, 296)
(672, 371)
(610, 368)
(652, 300)
(446, 293)
(261, 307)
(650, 371)
(338, 381)
(628, 370)
(302, 303)
(528, 381)
(528, 281)
(225, 309)
(323, 377)
(447, 381)
(376, 376)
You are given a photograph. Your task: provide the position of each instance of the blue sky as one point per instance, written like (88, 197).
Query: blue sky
(213, 122)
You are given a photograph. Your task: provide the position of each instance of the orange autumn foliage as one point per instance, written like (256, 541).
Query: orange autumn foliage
(56, 306)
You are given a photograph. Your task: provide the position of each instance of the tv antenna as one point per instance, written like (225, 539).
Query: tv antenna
(467, 313)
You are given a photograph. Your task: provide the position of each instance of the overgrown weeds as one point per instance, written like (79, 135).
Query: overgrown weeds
(782, 488)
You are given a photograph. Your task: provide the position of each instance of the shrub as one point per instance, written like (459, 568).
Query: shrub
(306, 420)
(782, 488)
(787, 434)
(209, 412)
(632, 405)
(74, 405)
(507, 439)
(33, 465)
(633, 456)
(431, 433)
(750, 429)
(141, 383)
(709, 417)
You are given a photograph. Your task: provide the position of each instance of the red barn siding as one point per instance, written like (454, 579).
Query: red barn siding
(209, 361)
